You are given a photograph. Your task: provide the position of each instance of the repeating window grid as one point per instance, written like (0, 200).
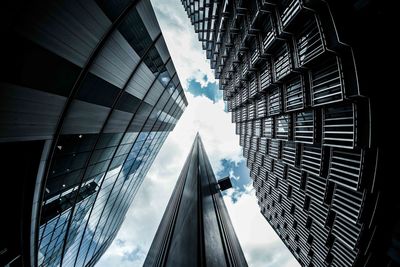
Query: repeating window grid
(86, 248)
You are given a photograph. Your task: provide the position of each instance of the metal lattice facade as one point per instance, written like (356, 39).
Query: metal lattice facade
(89, 93)
(291, 85)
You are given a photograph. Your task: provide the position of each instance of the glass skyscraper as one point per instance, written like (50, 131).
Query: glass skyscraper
(196, 229)
(307, 100)
(88, 95)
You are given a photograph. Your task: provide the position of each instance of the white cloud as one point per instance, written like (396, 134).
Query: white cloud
(142, 219)
(260, 244)
(183, 44)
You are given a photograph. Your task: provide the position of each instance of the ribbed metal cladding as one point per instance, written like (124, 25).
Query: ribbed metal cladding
(196, 229)
(291, 84)
(89, 96)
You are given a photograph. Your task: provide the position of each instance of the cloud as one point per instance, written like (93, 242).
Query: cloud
(141, 222)
(261, 245)
(211, 90)
(183, 44)
(205, 114)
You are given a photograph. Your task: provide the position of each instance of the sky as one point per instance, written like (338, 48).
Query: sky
(205, 113)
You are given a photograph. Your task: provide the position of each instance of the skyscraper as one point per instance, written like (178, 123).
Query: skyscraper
(196, 229)
(88, 95)
(298, 79)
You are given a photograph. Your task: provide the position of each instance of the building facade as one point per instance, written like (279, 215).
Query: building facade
(196, 229)
(88, 96)
(297, 78)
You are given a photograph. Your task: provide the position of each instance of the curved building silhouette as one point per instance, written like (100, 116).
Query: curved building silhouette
(88, 95)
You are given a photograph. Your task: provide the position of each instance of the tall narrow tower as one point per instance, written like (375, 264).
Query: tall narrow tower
(196, 229)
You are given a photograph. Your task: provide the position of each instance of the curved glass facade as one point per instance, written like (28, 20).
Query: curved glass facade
(93, 81)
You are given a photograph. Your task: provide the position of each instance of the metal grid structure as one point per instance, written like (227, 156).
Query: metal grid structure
(97, 90)
(306, 141)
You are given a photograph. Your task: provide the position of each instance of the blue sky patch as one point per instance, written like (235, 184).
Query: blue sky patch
(240, 176)
(211, 91)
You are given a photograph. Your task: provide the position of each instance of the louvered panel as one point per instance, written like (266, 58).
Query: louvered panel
(238, 127)
(311, 159)
(257, 128)
(326, 82)
(268, 33)
(282, 62)
(289, 153)
(292, 8)
(243, 129)
(238, 115)
(252, 111)
(347, 232)
(287, 204)
(298, 198)
(245, 93)
(301, 216)
(230, 107)
(265, 77)
(259, 159)
(283, 127)
(253, 86)
(294, 94)
(345, 168)
(315, 187)
(294, 177)
(269, 127)
(238, 99)
(268, 163)
(320, 235)
(245, 66)
(274, 149)
(241, 141)
(249, 128)
(339, 123)
(318, 212)
(280, 170)
(244, 113)
(304, 127)
(342, 256)
(254, 141)
(348, 203)
(261, 109)
(255, 54)
(237, 80)
(283, 188)
(274, 102)
(263, 145)
(309, 41)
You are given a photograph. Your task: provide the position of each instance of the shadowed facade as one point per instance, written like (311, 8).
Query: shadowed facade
(196, 229)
